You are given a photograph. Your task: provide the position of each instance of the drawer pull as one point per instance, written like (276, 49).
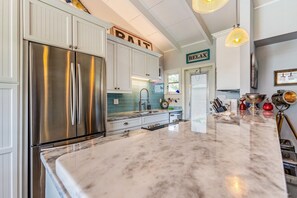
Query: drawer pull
(126, 123)
(126, 131)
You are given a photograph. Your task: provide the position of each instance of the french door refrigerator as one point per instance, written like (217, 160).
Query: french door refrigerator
(67, 99)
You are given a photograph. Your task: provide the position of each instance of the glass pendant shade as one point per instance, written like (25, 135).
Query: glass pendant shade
(237, 37)
(207, 6)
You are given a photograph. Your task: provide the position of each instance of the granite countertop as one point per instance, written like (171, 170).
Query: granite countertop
(214, 156)
(136, 114)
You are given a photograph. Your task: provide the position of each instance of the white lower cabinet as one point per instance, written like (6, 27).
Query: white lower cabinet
(8, 140)
(123, 124)
(155, 118)
(126, 125)
(118, 68)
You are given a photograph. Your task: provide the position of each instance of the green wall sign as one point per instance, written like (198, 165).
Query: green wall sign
(198, 56)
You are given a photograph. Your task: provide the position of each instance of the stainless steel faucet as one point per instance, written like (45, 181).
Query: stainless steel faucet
(140, 98)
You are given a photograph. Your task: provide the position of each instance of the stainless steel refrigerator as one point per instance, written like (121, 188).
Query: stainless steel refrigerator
(67, 101)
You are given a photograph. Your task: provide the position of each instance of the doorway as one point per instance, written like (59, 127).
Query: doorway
(200, 89)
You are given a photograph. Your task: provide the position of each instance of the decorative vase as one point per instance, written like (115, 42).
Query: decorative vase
(267, 106)
(242, 106)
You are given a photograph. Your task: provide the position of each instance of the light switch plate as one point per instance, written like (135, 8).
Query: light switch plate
(115, 101)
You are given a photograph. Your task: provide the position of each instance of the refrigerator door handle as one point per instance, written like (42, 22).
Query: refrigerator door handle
(80, 94)
(73, 95)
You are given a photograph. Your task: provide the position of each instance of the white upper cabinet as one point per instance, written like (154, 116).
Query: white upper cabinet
(138, 63)
(8, 39)
(145, 65)
(118, 68)
(111, 66)
(152, 67)
(46, 24)
(49, 25)
(88, 37)
(228, 65)
(123, 70)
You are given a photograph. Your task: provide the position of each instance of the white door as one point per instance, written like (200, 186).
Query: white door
(8, 140)
(111, 66)
(138, 63)
(46, 24)
(199, 91)
(88, 38)
(123, 70)
(152, 67)
(8, 40)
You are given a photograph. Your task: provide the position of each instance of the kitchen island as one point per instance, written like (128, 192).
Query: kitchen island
(220, 156)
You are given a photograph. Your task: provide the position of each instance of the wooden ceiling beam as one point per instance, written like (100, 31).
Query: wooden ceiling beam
(156, 23)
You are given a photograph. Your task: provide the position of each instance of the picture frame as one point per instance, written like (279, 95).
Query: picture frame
(203, 55)
(285, 77)
(254, 72)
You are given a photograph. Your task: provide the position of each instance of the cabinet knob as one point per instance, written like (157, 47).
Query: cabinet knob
(70, 46)
(75, 47)
(115, 88)
(126, 123)
(119, 88)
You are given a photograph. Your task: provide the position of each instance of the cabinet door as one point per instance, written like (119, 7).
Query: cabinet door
(111, 66)
(138, 63)
(46, 24)
(152, 67)
(228, 65)
(123, 69)
(88, 37)
(9, 139)
(8, 39)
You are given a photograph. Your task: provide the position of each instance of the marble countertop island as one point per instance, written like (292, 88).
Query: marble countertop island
(208, 157)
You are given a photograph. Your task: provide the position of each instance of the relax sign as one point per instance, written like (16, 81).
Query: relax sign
(198, 56)
(131, 38)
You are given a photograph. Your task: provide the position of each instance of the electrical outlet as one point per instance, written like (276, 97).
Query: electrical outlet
(116, 101)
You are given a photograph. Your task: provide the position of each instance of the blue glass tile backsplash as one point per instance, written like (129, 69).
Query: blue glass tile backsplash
(130, 101)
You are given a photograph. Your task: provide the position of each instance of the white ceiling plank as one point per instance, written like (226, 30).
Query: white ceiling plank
(201, 25)
(156, 23)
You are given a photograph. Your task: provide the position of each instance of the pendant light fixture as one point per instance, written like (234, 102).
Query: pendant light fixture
(238, 36)
(207, 6)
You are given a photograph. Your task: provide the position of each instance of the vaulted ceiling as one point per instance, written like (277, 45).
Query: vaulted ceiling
(168, 24)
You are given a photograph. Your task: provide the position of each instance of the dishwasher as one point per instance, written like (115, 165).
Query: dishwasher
(175, 116)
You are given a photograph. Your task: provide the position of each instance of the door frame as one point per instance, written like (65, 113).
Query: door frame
(212, 89)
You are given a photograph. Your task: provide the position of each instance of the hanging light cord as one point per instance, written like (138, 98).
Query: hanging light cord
(237, 14)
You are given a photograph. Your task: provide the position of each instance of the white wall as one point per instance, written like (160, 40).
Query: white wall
(276, 57)
(177, 59)
(276, 18)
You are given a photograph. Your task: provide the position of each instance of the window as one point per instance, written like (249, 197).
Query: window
(173, 83)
